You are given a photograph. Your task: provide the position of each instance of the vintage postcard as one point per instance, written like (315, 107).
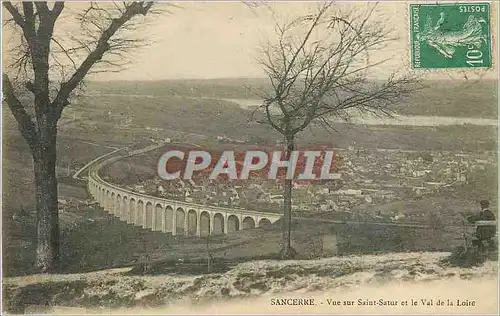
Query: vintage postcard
(250, 157)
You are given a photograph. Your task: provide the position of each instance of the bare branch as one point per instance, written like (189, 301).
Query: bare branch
(14, 12)
(65, 51)
(323, 73)
(57, 9)
(25, 123)
(42, 7)
(104, 45)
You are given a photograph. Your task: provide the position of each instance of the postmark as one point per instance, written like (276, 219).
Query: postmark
(450, 35)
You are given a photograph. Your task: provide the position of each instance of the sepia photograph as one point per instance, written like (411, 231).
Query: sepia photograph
(250, 157)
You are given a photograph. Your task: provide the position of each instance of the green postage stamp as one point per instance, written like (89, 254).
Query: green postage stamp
(450, 35)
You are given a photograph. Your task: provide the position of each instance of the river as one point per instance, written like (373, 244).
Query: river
(401, 120)
(410, 120)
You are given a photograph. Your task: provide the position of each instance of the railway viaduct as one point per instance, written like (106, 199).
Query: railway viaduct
(171, 216)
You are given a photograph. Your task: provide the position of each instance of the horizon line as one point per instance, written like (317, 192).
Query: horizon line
(248, 78)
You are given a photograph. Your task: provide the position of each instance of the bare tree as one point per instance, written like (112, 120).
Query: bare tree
(45, 71)
(319, 70)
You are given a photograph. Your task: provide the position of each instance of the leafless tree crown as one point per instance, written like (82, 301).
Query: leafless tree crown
(46, 65)
(319, 67)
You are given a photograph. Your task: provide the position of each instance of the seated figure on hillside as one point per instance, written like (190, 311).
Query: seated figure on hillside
(484, 232)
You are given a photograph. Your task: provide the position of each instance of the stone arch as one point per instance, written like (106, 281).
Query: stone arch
(112, 203)
(180, 217)
(148, 216)
(106, 201)
(218, 224)
(192, 222)
(124, 208)
(118, 206)
(204, 223)
(159, 218)
(131, 211)
(233, 223)
(169, 219)
(139, 211)
(248, 223)
(100, 194)
(264, 222)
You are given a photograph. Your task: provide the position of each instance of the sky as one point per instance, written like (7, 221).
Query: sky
(221, 40)
(218, 40)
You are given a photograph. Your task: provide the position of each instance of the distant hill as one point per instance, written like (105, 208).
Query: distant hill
(442, 98)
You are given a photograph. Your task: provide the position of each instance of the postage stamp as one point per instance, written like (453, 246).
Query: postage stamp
(236, 157)
(451, 35)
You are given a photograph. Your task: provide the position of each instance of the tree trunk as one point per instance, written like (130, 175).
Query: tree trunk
(287, 251)
(44, 160)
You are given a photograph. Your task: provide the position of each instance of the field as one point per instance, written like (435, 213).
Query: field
(124, 119)
(442, 98)
(94, 125)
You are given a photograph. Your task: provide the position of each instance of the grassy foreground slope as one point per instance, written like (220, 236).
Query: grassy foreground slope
(381, 276)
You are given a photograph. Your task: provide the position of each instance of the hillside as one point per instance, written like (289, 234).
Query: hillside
(443, 98)
(94, 125)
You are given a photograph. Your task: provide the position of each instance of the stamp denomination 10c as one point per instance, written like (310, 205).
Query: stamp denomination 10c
(450, 35)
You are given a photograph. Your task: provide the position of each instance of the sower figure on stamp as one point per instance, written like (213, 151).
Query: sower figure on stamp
(485, 232)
